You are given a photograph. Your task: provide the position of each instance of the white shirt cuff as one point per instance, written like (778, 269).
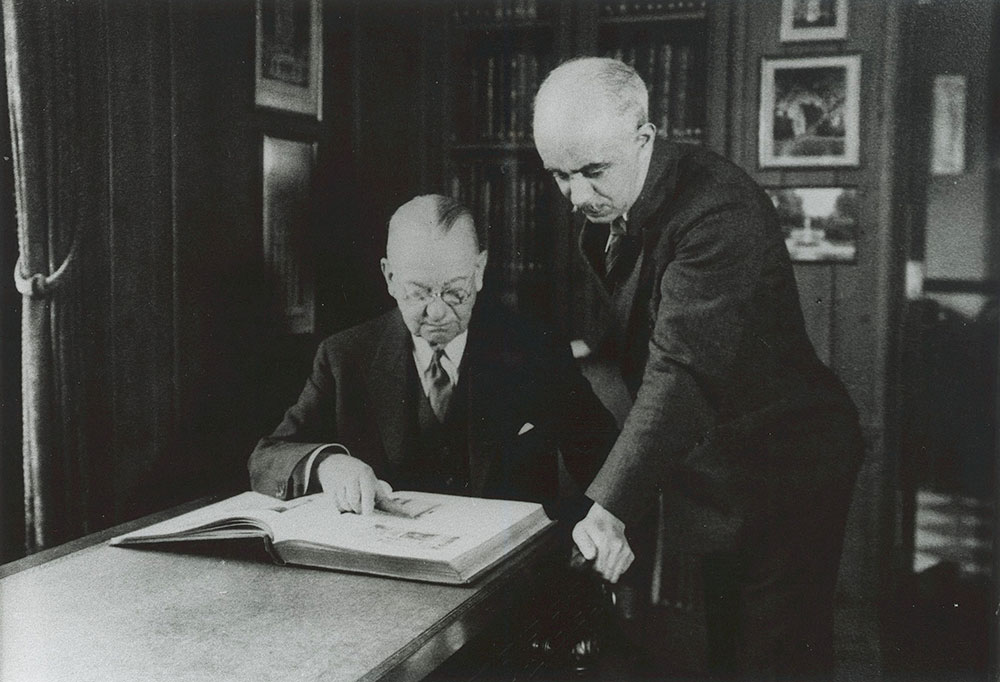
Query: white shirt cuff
(311, 461)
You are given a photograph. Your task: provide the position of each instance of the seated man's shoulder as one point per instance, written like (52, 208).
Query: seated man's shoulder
(363, 337)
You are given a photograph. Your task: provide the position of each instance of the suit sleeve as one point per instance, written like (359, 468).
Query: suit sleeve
(277, 463)
(698, 325)
(585, 428)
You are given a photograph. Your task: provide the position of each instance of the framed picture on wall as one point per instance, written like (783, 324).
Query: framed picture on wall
(287, 181)
(289, 59)
(813, 20)
(810, 112)
(820, 223)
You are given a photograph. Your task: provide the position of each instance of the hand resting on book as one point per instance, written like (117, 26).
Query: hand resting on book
(353, 484)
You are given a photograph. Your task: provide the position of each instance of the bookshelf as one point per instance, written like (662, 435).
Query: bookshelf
(499, 52)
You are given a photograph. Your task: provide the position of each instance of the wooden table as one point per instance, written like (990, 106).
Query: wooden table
(89, 611)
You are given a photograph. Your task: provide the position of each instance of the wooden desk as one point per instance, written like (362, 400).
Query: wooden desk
(88, 611)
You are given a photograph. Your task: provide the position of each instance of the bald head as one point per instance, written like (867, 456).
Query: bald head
(428, 218)
(591, 88)
(592, 133)
(434, 266)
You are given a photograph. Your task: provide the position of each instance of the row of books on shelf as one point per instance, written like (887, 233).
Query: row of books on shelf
(501, 93)
(496, 10)
(510, 202)
(618, 8)
(502, 88)
(669, 72)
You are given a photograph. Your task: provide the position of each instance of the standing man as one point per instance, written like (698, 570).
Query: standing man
(751, 439)
(444, 393)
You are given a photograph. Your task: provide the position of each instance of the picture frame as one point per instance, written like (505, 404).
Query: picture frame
(820, 223)
(806, 20)
(810, 112)
(287, 174)
(289, 56)
(948, 125)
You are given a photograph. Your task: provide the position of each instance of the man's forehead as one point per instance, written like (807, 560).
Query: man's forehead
(431, 262)
(571, 151)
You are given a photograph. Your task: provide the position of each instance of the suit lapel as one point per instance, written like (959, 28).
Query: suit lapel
(387, 385)
(659, 185)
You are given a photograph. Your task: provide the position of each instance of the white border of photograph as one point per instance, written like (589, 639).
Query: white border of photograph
(792, 33)
(272, 93)
(769, 154)
(817, 236)
(948, 125)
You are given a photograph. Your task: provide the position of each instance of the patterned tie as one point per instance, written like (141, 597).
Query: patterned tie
(616, 241)
(438, 385)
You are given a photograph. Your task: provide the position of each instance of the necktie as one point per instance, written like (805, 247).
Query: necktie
(438, 385)
(615, 242)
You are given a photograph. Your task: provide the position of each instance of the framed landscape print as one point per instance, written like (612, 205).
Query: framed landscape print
(287, 181)
(820, 223)
(289, 59)
(809, 112)
(813, 20)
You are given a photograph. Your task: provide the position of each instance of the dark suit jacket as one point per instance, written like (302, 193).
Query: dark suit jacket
(734, 416)
(357, 396)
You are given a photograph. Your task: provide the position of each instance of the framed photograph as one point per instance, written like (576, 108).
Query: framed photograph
(813, 20)
(287, 181)
(289, 56)
(948, 126)
(820, 223)
(809, 112)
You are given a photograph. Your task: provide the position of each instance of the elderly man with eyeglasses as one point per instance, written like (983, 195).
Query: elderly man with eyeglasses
(440, 394)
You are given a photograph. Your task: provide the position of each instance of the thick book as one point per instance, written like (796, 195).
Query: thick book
(430, 537)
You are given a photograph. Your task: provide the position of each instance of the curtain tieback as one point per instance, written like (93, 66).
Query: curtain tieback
(39, 285)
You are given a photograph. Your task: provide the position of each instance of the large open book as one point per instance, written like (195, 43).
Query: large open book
(437, 538)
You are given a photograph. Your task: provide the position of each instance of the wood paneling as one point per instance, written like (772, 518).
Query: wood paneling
(849, 308)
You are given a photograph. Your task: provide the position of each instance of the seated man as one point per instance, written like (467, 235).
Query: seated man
(439, 395)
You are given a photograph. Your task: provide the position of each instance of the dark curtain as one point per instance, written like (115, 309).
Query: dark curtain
(89, 88)
(58, 122)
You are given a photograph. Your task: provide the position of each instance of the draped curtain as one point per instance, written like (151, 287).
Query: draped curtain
(90, 114)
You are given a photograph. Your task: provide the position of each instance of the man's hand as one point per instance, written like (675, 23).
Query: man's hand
(352, 483)
(601, 536)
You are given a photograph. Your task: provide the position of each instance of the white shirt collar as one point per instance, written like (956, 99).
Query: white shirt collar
(453, 352)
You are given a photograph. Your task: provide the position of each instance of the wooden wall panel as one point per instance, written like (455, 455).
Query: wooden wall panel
(816, 292)
(850, 309)
(222, 302)
(140, 239)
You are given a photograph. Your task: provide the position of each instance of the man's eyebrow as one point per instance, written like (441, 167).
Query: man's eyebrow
(455, 279)
(589, 168)
(445, 285)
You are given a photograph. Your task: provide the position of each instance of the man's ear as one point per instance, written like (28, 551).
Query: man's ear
(387, 273)
(646, 133)
(481, 268)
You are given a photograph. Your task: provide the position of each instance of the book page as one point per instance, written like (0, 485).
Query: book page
(448, 527)
(238, 516)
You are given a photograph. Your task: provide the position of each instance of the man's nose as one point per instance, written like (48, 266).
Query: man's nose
(579, 192)
(437, 309)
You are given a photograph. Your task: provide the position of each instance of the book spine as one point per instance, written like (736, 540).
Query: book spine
(663, 84)
(489, 131)
(680, 114)
(523, 97)
(513, 99)
(272, 551)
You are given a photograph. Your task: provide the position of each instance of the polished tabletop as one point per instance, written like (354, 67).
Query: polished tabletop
(89, 611)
